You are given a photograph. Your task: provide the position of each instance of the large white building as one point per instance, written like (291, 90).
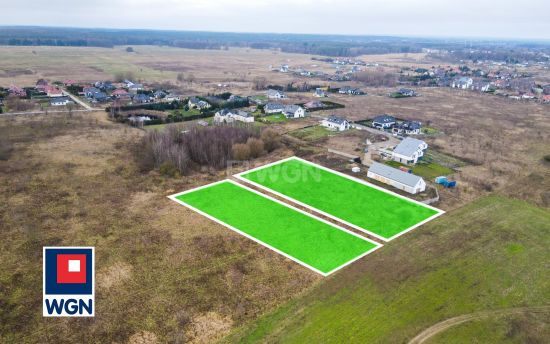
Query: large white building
(409, 151)
(229, 116)
(398, 179)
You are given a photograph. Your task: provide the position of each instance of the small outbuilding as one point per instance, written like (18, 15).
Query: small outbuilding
(398, 179)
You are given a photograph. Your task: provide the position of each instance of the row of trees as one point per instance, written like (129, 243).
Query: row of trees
(173, 152)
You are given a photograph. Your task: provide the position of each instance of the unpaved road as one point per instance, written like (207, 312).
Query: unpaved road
(76, 100)
(446, 324)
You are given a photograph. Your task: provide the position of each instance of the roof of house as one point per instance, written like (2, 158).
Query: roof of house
(410, 125)
(59, 99)
(292, 108)
(336, 119)
(274, 106)
(395, 174)
(384, 119)
(272, 91)
(408, 146)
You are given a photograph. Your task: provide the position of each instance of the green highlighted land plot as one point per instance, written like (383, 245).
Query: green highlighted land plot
(357, 203)
(310, 241)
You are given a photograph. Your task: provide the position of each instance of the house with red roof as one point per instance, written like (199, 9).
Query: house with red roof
(53, 91)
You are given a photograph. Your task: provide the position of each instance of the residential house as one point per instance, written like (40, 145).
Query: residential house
(407, 128)
(546, 89)
(336, 123)
(409, 151)
(120, 93)
(196, 103)
(319, 93)
(135, 87)
(463, 83)
(230, 116)
(41, 85)
(407, 92)
(99, 97)
(314, 104)
(383, 121)
(60, 101)
(294, 111)
(546, 98)
(271, 108)
(53, 91)
(159, 94)
(350, 90)
(89, 91)
(70, 82)
(172, 98)
(275, 94)
(401, 180)
(141, 98)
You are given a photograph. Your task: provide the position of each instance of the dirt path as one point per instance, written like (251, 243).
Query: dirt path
(446, 324)
(76, 100)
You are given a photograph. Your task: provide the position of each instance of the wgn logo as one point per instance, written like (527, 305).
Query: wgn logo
(68, 289)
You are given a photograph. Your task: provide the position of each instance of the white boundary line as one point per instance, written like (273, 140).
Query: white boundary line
(173, 198)
(439, 211)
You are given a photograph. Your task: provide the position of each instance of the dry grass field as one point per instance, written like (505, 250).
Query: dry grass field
(167, 274)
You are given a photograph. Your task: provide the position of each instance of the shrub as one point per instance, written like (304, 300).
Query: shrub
(241, 151)
(168, 168)
(255, 146)
(271, 140)
(546, 158)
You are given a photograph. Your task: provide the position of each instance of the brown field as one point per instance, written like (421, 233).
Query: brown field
(165, 273)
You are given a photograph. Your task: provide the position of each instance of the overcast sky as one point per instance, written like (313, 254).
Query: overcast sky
(452, 18)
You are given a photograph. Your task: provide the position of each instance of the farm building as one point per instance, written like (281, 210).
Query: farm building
(336, 123)
(383, 121)
(409, 151)
(398, 179)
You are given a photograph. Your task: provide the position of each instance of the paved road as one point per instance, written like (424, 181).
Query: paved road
(446, 324)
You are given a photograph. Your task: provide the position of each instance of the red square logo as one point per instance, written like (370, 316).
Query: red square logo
(71, 268)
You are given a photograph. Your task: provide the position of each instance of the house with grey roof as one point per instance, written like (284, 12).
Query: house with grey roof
(383, 121)
(336, 123)
(275, 94)
(271, 108)
(233, 115)
(398, 179)
(409, 151)
(195, 102)
(59, 101)
(407, 128)
(294, 111)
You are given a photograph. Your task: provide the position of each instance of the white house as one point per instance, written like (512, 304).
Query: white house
(398, 179)
(294, 111)
(275, 94)
(463, 83)
(409, 151)
(408, 128)
(195, 102)
(383, 121)
(271, 108)
(60, 101)
(230, 116)
(336, 123)
(320, 93)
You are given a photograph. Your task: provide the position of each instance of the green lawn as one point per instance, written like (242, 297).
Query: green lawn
(275, 118)
(312, 133)
(459, 264)
(307, 239)
(424, 169)
(379, 212)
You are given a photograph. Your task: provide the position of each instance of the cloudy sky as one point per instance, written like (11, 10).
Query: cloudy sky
(453, 18)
